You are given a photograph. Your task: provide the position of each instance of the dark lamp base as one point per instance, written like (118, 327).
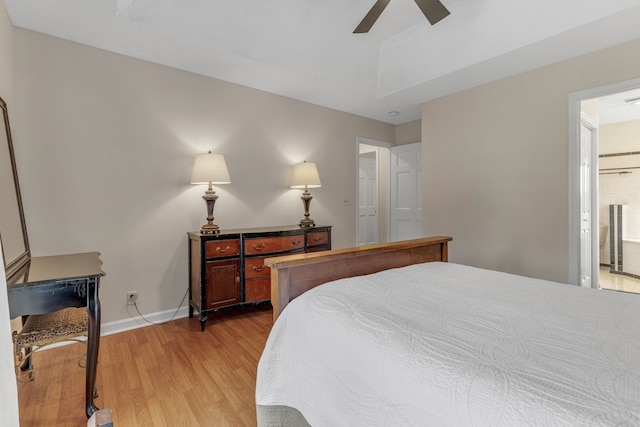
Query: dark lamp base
(307, 223)
(210, 229)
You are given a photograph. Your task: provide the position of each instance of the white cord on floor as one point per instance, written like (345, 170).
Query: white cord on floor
(161, 323)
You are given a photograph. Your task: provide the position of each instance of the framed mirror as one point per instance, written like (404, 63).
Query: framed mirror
(13, 229)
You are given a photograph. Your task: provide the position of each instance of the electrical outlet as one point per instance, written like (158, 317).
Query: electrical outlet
(132, 297)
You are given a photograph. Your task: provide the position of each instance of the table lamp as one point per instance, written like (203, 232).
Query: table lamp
(210, 169)
(305, 175)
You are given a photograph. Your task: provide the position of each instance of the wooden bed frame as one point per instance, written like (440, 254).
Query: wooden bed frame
(295, 274)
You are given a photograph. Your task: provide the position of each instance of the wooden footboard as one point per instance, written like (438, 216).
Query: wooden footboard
(295, 274)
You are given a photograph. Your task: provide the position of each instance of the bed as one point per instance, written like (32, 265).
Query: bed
(423, 342)
(293, 275)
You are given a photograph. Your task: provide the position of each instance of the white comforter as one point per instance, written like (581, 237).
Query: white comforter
(441, 344)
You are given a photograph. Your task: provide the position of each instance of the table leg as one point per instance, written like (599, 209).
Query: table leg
(27, 365)
(93, 343)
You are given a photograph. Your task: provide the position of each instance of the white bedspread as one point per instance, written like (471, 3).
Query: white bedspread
(441, 344)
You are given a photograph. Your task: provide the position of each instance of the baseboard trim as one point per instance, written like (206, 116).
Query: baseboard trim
(136, 322)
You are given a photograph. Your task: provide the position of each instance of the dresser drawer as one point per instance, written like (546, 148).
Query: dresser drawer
(273, 244)
(254, 267)
(257, 289)
(317, 238)
(222, 248)
(227, 269)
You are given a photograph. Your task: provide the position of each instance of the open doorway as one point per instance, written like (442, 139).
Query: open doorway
(603, 247)
(389, 192)
(619, 191)
(372, 192)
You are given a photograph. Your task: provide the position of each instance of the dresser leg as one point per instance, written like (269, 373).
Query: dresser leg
(203, 322)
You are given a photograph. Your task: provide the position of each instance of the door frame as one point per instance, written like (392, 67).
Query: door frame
(575, 120)
(379, 144)
(594, 211)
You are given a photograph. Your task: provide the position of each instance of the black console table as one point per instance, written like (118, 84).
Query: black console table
(50, 283)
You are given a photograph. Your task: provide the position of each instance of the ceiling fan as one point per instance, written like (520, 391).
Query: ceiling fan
(433, 10)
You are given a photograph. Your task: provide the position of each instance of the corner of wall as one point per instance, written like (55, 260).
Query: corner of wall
(408, 133)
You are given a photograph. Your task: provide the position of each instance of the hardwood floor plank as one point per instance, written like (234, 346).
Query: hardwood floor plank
(161, 375)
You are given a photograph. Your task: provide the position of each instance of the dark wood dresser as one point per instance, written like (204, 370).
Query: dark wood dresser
(227, 269)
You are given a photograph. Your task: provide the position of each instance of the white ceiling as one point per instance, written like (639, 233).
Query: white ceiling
(305, 49)
(615, 108)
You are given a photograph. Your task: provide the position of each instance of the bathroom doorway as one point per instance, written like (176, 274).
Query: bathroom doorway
(613, 235)
(619, 191)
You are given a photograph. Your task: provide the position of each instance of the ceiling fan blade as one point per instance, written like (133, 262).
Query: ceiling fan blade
(433, 10)
(371, 17)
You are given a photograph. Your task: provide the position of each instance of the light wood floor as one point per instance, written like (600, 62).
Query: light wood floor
(160, 375)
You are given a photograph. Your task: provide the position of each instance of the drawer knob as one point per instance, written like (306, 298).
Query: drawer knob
(256, 268)
(222, 251)
(296, 242)
(317, 239)
(259, 247)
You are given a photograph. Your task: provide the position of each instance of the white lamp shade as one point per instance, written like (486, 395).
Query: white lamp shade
(305, 175)
(210, 168)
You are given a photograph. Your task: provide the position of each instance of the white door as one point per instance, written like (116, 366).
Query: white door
(406, 192)
(368, 198)
(588, 213)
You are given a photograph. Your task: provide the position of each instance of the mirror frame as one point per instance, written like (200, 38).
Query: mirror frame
(12, 266)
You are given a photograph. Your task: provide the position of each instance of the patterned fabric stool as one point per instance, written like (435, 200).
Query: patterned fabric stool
(42, 330)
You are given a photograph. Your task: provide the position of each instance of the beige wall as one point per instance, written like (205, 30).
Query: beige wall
(408, 133)
(621, 137)
(105, 146)
(6, 56)
(8, 390)
(495, 164)
(591, 108)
